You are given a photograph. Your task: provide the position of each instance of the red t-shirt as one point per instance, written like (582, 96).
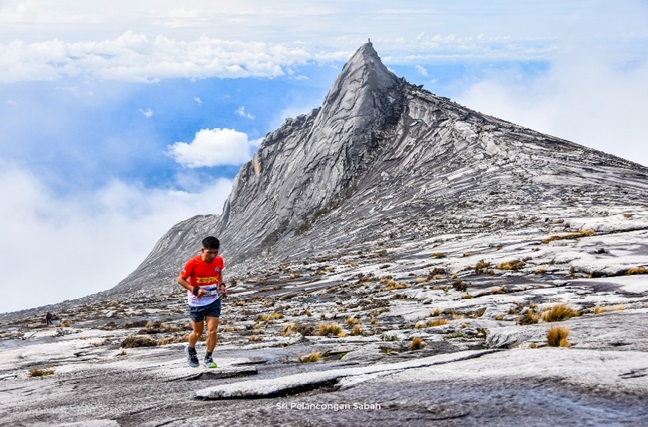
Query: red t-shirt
(200, 273)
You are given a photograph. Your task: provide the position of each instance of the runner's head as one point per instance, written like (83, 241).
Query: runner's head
(210, 247)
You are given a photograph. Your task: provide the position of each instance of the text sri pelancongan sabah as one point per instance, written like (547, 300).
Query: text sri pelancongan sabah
(301, 406)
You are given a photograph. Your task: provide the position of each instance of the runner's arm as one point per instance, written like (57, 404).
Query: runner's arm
(185, 284)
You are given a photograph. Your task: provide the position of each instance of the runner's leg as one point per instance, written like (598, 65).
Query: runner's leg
(212, 332)
(196, 333)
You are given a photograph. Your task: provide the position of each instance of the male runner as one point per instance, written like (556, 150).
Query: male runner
(202, 276)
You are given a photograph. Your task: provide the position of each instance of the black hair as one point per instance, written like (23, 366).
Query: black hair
(211, 243)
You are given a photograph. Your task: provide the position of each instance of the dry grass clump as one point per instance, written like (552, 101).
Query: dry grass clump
(598, 309)
(637, 270)
(438, 255)
(133, 341)
(416, 344)
(419, 325)
(136, 324)
(352, 321)
(530, 317)
(458, 316)
(37, 372)
(557, 336)
(172, 339)
(392, 285)
(268, 317)
(581, 233)
(357, 330)
(558, 313)
(289, 329)
(325, 329)
(482, 266)
(437, 322)
(511, 265)
(312, 357)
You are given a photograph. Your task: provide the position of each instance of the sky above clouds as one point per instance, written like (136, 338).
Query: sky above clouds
(119, 119)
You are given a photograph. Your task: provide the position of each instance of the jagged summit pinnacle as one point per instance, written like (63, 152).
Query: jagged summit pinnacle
(362, 77)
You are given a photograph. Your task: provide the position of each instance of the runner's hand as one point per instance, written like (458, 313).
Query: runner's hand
(223, 290)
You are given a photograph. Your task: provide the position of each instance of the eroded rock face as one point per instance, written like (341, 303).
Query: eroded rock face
(384, 159)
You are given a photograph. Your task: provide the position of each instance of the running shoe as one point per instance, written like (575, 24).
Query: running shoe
(192, 357)
(209, 362)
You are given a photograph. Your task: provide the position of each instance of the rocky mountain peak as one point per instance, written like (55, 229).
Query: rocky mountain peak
(382, 157)
(361, 87)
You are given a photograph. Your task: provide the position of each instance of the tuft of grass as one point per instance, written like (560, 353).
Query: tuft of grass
(436, 311)
(482, 266)
(308, 312)
(289, 329)
(325, 329)
(133, 341)
(37, 372)
(637, 270)
(453, 335)
(437, 322)
(416, 344)
(458, 316)
(558, 313)
(357, 330)
(530, 317)
(392, 285)
(268, 317)
(438, 255)
(419, 325)
(511, 265)
(352, 321)
(598, 309)
(310, 358)
(122, 353)
(557, 336)
(581, 233)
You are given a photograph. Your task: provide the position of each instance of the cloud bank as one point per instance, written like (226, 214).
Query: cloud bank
(58, 248)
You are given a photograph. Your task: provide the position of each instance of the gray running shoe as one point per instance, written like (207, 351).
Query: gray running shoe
(192, 357)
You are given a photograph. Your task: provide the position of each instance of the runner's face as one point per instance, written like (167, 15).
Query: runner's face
(208, 255)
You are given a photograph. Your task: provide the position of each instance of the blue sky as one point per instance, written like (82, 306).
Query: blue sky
(119, 119)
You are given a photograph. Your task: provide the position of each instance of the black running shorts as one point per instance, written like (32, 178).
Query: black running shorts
(198, 314)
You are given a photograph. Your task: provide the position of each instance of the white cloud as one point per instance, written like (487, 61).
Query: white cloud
(148, 113)
(242, 113)
(64, 248)
(213, 147)
(198, 100)
(584, 100)
(422, 71)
